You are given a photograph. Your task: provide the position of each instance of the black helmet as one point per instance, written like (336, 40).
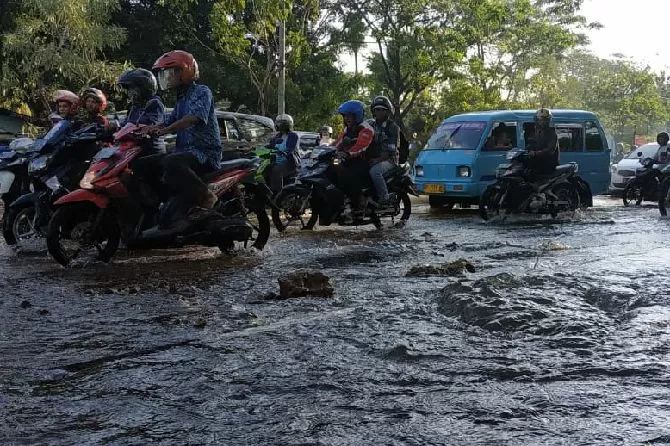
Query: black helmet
(663, 135)
(143, 80)
(382, 102)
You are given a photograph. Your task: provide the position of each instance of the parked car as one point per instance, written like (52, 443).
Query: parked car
(239, 132)
(308, 141)
(624, 171)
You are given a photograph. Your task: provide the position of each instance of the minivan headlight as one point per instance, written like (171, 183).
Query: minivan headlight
(418, 171)
(463, 171)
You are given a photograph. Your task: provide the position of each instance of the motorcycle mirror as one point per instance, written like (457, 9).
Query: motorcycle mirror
(639, 154)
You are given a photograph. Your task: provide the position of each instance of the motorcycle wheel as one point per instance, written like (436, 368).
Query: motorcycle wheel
(488, 202)
(68, 235)
(289, 212)
(633, 193)
(565, 192)
(261, 223)
(664, 197)
(20, 224)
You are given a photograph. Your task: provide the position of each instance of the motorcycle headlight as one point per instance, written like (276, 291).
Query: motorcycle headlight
(53, 183)
(463, 171)
(418, 171)
(38, 164)
(85, 182)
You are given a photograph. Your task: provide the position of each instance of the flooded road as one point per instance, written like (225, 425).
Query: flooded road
(560, 336)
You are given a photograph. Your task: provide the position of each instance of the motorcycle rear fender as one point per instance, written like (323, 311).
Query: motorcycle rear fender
(81, 195)
(6, 181)
(32, 198)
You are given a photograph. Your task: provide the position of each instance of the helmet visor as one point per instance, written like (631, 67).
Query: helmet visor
(169, 78)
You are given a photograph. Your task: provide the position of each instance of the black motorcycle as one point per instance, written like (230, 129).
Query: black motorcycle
(646, 184)
(14, 180)
(314, 192)
(514, 193)
(59, 161)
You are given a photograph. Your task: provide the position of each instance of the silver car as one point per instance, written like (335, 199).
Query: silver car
(624, 170)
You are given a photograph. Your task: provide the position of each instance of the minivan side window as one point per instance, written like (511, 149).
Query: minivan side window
(570, 137)
(501, 138)
(594, 139)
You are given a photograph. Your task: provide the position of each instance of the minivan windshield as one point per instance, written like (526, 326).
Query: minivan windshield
(456, 136)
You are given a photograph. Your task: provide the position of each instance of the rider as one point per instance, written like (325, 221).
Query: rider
(383, 152)
(95, 103)
(543, 152)
(662, 139)
(146, 108)
(287, 159)
(353, 142)
(325, 136)
(198, 147)
(67, 104)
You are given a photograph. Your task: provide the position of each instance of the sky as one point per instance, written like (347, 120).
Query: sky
(637, 29)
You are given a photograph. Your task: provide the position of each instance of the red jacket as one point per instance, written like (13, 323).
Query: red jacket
(362, 137)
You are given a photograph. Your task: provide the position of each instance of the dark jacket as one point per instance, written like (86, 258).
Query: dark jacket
(543, 152)
(289, 153)
(385, 143)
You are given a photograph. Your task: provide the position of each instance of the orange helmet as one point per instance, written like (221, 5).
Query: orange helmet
(169, 63)
(67, 96)
(96, 94)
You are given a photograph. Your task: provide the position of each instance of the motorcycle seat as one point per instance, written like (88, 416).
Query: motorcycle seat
(565, 168)
(226, 166)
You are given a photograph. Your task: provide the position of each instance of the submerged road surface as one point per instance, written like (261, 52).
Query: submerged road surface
(560, 336)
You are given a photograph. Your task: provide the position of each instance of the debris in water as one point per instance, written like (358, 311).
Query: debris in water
(26, 304)
(554, 246)
(455, 268)
(302, 283)
(43, 312)
(200, 323)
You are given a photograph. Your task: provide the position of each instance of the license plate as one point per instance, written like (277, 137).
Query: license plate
(433, 188)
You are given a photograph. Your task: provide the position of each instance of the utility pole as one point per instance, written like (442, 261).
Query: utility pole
(281, 88)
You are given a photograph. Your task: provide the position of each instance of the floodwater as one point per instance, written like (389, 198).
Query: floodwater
(560, 336)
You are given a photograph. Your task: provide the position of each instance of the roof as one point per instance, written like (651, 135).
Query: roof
(525, 115)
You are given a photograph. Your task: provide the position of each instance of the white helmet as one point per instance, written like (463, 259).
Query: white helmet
(284, 118)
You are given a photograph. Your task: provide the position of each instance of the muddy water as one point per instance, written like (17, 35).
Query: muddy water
(561, 336)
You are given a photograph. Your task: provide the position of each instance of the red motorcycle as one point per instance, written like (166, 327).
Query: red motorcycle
(98, 216)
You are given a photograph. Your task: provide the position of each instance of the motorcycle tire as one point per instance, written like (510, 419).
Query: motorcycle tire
(277, 214)
(566, 192)
(487, 207)
(13, 220)
(66, 218)
(663, 203)
(263, 228)
(633, 193)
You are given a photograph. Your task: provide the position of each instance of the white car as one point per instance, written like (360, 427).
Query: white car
(624, 170)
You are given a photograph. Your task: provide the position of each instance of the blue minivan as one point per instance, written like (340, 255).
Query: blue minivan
(461, 157)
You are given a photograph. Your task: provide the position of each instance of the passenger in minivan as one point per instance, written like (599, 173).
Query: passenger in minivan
(501, 137)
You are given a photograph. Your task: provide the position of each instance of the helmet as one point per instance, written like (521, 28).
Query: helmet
(142, 80)
(285, 119)
(97, 95)
(326, 129)
(382, 102)
(67, 96)
(176, 68)
(353, 107)
(663, 135)
(543, 116)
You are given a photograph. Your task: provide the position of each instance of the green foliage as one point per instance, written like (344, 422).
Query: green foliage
(56, 44)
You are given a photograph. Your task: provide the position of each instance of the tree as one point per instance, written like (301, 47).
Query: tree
(56, 44)
(246, 32)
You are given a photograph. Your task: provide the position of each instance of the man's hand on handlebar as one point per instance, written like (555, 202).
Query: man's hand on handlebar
(155, 130)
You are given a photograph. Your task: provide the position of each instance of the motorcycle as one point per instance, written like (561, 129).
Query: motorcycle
(14, 180)
(314, 191)
(103, 211)
(54, 171)
(646, 184)
(560, 191)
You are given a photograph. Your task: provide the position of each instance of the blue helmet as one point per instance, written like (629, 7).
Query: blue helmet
(353, 107)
